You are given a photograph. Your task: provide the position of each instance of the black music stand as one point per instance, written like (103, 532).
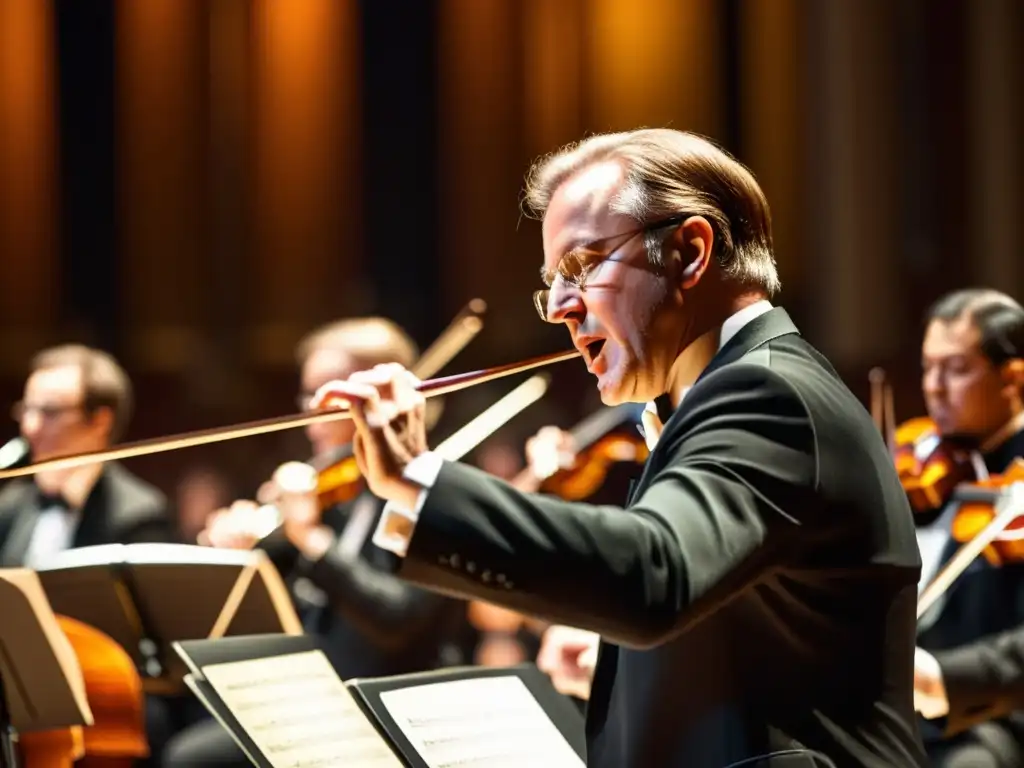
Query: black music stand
(41, 684)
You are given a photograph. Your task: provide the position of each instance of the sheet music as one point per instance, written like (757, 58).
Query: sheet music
(299, 713)
(488, 722)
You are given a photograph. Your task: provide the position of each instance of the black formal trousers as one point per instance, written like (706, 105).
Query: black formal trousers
(756, 595)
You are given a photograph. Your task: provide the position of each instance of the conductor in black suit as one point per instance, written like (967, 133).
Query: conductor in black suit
(756, 595)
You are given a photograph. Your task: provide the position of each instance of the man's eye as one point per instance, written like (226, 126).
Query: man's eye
(574, 266)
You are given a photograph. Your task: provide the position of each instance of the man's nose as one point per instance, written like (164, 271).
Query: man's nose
(565, 303)
(932, 384)
(31, 423)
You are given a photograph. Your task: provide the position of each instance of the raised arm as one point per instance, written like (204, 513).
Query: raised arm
(729, 479)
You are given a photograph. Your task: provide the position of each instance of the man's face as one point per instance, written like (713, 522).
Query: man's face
(625, 321)
(964, 392)
(322, 366)
(52, 419)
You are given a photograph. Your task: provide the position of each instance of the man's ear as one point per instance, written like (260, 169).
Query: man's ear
(103, 419)
(1012, 372)
(693, 241)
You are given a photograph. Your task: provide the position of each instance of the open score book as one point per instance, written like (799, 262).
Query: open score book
(284, 705)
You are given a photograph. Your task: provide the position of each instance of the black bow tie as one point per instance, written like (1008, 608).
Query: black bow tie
(50, 500)
(663, 404)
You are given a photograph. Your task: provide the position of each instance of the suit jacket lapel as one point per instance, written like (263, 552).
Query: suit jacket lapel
(94, 523)
(758, 332)
(22, 526)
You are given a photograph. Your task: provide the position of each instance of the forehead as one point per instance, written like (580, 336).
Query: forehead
(579, 211)
(62, 384)
(322, 365)
(945, 338)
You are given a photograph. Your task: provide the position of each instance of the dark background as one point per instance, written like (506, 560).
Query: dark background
(194, 184)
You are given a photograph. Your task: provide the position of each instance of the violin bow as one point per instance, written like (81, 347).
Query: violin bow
(1009, 507)
(430, 388)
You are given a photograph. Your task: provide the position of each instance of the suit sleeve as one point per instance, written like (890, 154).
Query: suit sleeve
(984, 680)
(734, 472)
(151, 523)
(371, 597)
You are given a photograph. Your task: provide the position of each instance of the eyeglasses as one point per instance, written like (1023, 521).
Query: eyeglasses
(21, 409)
(576, 265)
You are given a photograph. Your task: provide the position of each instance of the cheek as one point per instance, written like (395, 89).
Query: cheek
(627, 313)
(975, 394)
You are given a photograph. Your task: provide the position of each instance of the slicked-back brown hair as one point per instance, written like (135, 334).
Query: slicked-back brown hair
(671, 172)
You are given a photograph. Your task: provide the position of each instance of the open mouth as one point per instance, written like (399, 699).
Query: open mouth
(594, 349)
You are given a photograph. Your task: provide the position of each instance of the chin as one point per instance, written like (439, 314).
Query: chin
(613, 389)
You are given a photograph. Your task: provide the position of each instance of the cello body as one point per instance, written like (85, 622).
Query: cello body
(113, 687)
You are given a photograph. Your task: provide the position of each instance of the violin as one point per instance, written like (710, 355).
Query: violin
(989, 522)
(113, 688)
(599, 448)
(930, 467)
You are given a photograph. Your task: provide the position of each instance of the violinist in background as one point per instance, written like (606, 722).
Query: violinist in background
(973, 386)
(370, 623)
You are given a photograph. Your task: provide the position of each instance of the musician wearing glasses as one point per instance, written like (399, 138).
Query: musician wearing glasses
(76, 399)
(755, 595)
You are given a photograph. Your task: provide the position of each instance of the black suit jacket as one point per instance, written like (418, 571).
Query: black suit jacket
(120, 509)
(757, 594)
(375, 624)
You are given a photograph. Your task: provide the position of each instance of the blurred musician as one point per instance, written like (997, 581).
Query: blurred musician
(79, 399)
(370, 622)
(76, 399)
(973, 385)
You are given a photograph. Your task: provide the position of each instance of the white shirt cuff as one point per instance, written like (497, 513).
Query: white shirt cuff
(397, 524)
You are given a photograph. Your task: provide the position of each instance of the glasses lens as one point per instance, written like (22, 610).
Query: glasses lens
(540, 303)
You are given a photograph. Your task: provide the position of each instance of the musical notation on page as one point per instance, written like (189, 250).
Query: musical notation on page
(490, 722)
(298, 713)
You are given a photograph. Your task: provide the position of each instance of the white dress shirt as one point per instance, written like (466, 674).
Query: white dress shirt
(53, 533)
(424, 469)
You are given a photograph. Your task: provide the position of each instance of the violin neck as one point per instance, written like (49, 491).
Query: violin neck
(600, 423)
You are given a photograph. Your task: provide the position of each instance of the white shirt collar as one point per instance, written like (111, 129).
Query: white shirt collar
(652, 425)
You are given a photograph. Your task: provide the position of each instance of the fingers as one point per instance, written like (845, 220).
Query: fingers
(342, 393)
(548, 451)
(396, 393)
(295, 477)
(380, 394)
